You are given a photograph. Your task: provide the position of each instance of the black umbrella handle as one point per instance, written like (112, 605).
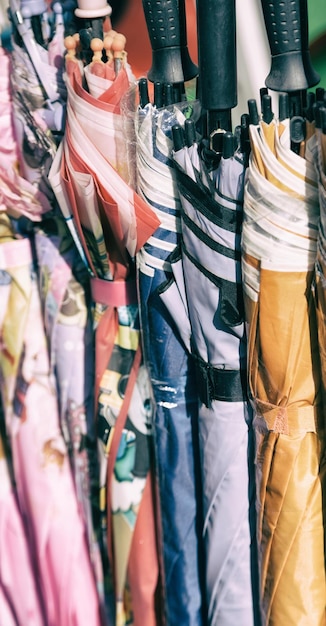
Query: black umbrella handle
(216, 25)
(287, 31)
(166, 25)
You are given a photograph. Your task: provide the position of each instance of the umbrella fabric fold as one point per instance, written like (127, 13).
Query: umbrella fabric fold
(64, 291)
(38, 109)
(319, 152)
(9, 152)
(19, 597)
(17, 195)
(171, 372)
(45, 487)
(211, 220)
(279, 238)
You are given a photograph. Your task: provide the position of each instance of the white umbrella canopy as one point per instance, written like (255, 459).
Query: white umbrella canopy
(211, 220)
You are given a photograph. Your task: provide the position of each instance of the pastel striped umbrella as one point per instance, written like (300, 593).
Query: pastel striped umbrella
(111, 223)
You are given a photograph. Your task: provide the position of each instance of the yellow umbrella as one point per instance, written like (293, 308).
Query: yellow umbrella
(279, 240)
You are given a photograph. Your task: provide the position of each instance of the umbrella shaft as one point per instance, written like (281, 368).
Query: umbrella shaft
(218, 119)
(297, 101)
(216, 27)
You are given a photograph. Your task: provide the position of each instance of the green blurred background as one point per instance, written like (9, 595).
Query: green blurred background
(317, 36)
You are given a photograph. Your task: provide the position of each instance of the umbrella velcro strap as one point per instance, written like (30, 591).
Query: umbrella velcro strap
(218, 384)
(291, 420)
(113, 292)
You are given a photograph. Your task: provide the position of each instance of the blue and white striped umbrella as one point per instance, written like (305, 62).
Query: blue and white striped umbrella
(171, 370)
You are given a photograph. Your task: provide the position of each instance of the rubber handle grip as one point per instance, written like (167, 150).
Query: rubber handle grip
(166, 25)
(162, 19)
(286, 25)
(217, 54)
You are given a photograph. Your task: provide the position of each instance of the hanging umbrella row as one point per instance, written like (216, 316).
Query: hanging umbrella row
(46, 501)
(163, 277)
(205, 312)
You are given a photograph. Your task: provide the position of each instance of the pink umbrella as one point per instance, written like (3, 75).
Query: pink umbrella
(19, 597)
(45, 486)
(52, 525)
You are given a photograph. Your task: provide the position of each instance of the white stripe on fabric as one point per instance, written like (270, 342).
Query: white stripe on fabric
(296, 184)
(305, 239)
(141, 264)
(261, 246)
(263, 202)
(297, 208)
(163, 188)
(304, 167)
(155, 196)
(251, 276)
(121, 193)
(215, 232)
(150, 161)
(154, 262)
(161, 244)
(168, 222)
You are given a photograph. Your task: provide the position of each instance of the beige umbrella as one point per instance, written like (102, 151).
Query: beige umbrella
(279, 243)
(279, 239)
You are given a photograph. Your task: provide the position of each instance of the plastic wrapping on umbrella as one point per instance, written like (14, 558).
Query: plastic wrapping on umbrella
(172, 375)
(211, 221)
(279, 240)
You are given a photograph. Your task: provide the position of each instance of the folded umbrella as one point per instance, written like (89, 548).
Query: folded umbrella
(319, 154)
(279, 240)
(211, 190)
(59, 289)
(43, 477)
(172, 374)
(211, 223)
(112, 222)
(64, 291)
(38, 90)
